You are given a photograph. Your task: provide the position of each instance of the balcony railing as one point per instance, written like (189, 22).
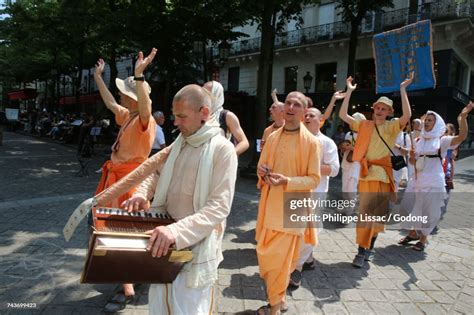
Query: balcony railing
(379, 22)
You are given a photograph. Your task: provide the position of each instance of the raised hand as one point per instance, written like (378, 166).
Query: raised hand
(339, 95)
(274, 96)
(142, 63)
(407, 81)
(99, 67)
(465, 111)
(350, 86)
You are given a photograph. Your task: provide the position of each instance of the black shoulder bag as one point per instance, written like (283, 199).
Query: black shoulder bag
(398, 161)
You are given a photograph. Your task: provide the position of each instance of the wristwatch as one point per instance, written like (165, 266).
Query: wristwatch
(142, 78)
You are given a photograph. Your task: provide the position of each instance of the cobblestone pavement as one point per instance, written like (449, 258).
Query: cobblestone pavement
(40, 189)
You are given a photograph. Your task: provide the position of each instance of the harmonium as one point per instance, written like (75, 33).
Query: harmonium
(117, 249)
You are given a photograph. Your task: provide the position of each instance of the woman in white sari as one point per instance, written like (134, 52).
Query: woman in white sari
(428, 186)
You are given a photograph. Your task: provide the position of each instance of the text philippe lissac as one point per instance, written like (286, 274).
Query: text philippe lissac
(341, 204)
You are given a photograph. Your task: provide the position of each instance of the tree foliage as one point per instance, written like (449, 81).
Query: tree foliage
(272, 17)
(70, 35)
(353, 12)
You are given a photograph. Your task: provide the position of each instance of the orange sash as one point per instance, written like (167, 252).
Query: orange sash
(112, 173)
(366, 128)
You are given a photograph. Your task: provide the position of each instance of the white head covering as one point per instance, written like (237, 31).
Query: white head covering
(217, 98)
(430, 140)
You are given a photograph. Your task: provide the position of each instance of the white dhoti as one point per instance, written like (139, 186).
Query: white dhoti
(350, 182)
(177, 299)
(399, 175)
(306, 252)
(425, 205)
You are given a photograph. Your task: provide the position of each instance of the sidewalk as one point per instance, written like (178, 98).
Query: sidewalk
(37, 266)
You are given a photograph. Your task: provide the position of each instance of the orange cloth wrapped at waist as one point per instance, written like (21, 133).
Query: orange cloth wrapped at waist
(112, 173)
(385, 163)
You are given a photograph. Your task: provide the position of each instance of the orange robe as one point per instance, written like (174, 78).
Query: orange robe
(376, 176)
(295, 155)
(132, 147)
(112, 173)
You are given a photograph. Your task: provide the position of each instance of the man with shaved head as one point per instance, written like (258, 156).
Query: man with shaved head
(277, 115)
(196, 187)
(289, 163)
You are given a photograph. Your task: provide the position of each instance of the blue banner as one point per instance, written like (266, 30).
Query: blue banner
(401, 51)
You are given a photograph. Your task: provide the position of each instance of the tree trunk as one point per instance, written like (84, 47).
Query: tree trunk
(79, 75)
(412, 11)
(113, 70)
(204, 61)
(265, 67)
(352, 48)
(264, 79)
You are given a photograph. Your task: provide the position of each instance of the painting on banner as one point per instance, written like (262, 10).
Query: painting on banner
(401, 51)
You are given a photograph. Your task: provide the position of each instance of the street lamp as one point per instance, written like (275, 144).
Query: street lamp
(223, 56)
(224, 50)
(199, 48)
(307, 80)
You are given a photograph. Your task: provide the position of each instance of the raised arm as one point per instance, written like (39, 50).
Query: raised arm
(143, 97)
(463, 128)
(338, 95)
(107, 97)
(345, 104)
(406, 110)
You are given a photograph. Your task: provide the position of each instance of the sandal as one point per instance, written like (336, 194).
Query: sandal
(295, 278)
(266, 309)
(419, 247)
(407, 239)
(118, 302)
(310, 265)
(359, 260)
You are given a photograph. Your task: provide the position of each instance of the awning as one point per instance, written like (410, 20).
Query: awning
(83, 99)
(25, 94)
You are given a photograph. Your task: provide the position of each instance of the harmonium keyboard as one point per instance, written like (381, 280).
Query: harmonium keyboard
(117, 249)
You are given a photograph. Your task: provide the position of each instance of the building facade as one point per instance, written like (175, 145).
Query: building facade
(319, 48)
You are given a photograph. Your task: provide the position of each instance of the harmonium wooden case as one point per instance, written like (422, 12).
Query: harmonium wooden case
(117, 249)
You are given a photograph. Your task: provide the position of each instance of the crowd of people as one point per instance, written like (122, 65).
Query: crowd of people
(193, 180)
(376, 154)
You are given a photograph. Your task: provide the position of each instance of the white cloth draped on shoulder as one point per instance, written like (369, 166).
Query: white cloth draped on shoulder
(202, 270)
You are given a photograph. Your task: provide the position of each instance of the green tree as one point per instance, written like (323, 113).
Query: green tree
(272, 17)
(353, 12)
(173, 27)
(30, 35)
